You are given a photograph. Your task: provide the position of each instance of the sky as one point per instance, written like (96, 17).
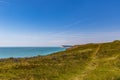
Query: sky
(58, 22)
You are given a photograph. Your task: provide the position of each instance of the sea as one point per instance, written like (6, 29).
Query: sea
(22, 52)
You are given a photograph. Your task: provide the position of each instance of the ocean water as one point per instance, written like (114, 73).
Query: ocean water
(18, 52)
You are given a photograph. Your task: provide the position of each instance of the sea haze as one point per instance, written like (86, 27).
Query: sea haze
(18, 52)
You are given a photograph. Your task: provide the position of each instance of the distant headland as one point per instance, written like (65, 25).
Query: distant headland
(67, 46)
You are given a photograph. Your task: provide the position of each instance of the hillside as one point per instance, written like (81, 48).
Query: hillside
(84, 62)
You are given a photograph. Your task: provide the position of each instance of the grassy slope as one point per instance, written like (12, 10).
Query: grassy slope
(84, 62)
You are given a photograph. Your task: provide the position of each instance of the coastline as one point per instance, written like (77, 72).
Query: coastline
(24, 52)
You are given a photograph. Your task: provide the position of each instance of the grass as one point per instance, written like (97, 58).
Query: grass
(82, 62)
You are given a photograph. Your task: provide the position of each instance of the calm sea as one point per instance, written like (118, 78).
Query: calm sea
(6, 52)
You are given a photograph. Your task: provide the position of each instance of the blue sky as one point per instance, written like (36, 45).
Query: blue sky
(57, 22)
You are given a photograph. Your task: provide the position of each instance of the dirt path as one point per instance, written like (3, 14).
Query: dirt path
(91, 66)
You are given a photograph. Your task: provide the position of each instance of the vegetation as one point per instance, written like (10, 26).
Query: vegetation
(82, 62)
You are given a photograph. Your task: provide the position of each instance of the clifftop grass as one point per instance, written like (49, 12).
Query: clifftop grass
(82, 62)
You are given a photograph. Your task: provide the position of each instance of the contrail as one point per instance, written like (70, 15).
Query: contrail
(70, 25)
(67, 27)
